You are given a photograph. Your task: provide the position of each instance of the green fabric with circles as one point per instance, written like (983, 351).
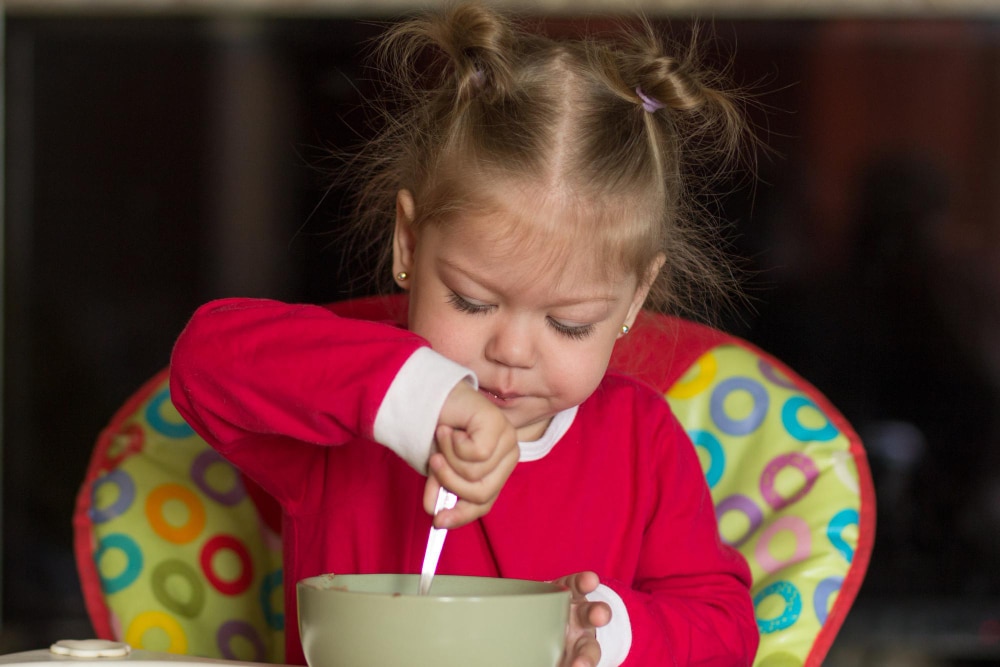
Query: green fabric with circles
(786, 490)
(186, 566)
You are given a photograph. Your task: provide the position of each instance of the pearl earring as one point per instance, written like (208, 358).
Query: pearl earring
(402, 275)
(625, 329)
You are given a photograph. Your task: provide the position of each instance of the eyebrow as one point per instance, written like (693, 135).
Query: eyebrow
(571, 301)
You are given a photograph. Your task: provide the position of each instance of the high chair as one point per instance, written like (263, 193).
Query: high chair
(177, 552)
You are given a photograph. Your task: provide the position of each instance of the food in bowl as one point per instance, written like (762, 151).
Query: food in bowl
(379, 620)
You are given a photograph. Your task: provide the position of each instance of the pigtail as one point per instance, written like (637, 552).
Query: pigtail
(694, 125)
(479, 43)
(456, 56)
(703, 110)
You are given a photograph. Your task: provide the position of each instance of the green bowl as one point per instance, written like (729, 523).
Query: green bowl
(357, 620)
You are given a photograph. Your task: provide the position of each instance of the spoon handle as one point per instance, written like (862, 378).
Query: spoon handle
(435, 541)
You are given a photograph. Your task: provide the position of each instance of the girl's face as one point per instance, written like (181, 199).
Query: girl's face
(536, 326)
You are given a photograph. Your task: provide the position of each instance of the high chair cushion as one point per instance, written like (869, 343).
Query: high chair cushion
(177, 552)
(172, 550)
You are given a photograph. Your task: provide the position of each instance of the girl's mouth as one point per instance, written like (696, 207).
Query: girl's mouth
(498, 398)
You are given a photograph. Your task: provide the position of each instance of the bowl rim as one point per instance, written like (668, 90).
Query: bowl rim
(325, 582)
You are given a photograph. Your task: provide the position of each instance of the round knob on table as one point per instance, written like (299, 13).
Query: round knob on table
(90, 648)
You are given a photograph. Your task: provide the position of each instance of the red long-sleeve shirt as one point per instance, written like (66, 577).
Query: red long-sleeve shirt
(334, 417)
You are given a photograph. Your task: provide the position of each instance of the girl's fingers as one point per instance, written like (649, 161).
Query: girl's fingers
(444, 440)
(451, 442)
(593, 614)
(475, 498)
(582, 648)
(473, 464)
(582, 583)
(599, 614)
(478, 489)
(480, 447)
(431, 488)
(586, 652)
(473, 467)
(462, 513)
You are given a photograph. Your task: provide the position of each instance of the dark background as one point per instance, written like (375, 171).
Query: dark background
(155, 163)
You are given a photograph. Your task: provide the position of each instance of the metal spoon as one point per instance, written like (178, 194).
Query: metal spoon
(435, 541)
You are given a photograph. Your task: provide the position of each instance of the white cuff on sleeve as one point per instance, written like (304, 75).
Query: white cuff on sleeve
(409, 412)
(615, 638)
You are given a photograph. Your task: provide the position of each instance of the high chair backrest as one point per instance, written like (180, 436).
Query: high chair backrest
(173, 552)
(177, 552)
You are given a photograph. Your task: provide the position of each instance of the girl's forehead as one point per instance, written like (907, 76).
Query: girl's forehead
(541, 246)
(516, 216)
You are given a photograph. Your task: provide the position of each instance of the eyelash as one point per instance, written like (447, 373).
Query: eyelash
(575, 333)
(464, 306)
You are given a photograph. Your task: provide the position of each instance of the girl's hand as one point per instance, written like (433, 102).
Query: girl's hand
(476, 453)
(582, 649)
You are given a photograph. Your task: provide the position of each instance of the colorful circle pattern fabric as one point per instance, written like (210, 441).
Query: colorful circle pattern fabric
(184, 562)
(785, 489)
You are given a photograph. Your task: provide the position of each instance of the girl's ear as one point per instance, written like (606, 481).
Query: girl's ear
(404, 238)
(642, 289)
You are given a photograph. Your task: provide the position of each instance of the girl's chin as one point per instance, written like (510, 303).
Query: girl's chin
(533, 431)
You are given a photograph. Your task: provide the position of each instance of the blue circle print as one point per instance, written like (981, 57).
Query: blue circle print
(170, 429)
(790, 418)
(748, 424)
(791, 612)
(133, 566)
(126, 494)
(716, 455)
(821, 598)
(275, 619)
(835, 531)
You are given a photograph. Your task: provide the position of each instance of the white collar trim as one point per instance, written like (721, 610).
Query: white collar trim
(537, 449)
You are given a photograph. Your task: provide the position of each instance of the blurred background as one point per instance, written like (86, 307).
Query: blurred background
(158, 157)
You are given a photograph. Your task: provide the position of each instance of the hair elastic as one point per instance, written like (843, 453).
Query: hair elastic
(650, 104)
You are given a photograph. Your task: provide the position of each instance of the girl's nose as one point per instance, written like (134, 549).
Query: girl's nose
(512, 344)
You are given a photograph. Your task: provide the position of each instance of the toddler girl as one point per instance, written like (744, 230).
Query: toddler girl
(540, 196)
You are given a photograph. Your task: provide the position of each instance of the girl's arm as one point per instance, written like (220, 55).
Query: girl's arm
(689, 602)
(257, 377)
(705, 619)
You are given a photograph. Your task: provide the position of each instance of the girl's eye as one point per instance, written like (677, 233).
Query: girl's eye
(466, 306)
(578, 332)
(575, 332)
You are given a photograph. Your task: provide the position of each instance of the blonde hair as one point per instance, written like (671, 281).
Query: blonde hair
(630, 134)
